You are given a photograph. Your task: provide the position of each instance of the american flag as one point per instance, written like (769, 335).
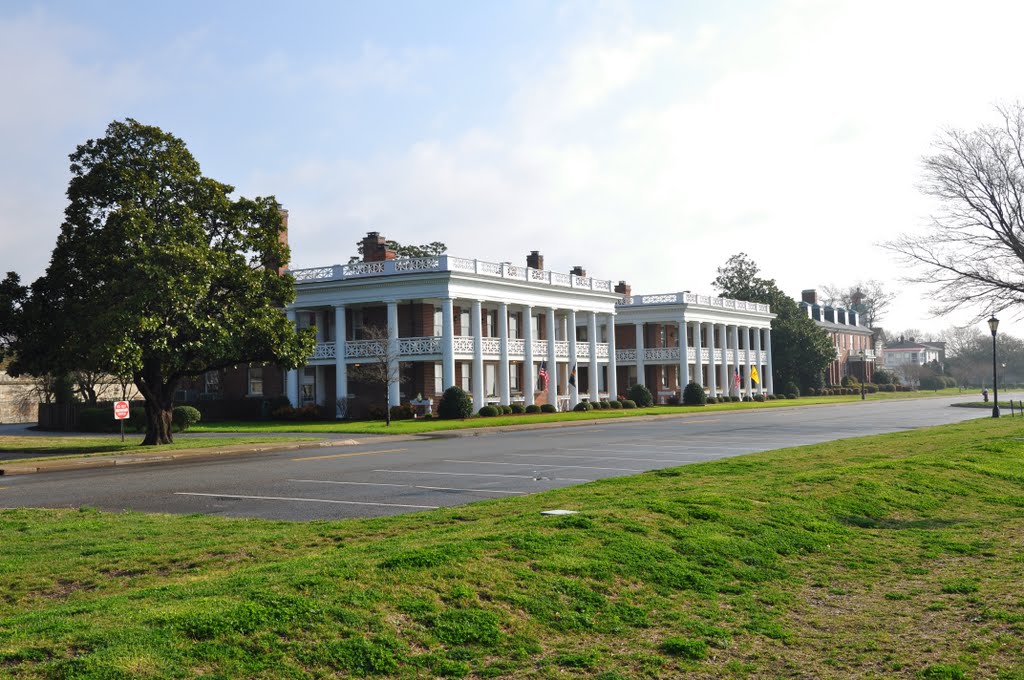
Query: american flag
(544, 373)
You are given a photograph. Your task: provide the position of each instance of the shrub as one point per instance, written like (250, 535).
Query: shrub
(693, 395)
(673, 400)
(489, 411)
(849, 381)
(185, 417)
(402, 412)
(628, 403)
(870, 388)
(791, 395)
(583, 406)
(641, 396)
(771, 397)
(759, 397)
(517, 408)
(455, 403)
(734, 398)
(548, 408)
(96, 420)
(615, 404)
(791, 388)
(506, 409)
(747, 399)
(532, 408)
(283, 413)
(712, 400)
(604, 405)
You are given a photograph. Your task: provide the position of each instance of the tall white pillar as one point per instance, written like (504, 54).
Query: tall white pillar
(684, 355)
(574, 390)
(447, 344)
(293, 374)
(757, 360)
(394, 386)
(712, 369)
(595, 395)
(723, 369)
(552, 366)
(529, 381)
(733, 384)
(768, 379)
(698, 362)
(478, 356)
(503, 388)
(746, 361)
(340, 367)
(641, 377)
(613, 378)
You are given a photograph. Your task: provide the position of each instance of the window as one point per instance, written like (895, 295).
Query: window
(464, 328)
(307, 390)
(255, 381)
(514, 373)
(535, 327)
(491, 319)
(513, 325)
(438, 375)
(211, 382)
(357, 324)
(466, 375)
(438, 322)
(490, 380)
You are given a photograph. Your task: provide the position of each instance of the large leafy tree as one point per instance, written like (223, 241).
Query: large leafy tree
(157, 274)
(801, 351)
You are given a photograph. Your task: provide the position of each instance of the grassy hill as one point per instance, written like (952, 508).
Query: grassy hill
(891, 556)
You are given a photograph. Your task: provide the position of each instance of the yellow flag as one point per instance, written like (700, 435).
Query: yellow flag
(754, 376)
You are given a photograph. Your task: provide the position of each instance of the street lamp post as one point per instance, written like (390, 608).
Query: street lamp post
(863, 372)
(993, 325)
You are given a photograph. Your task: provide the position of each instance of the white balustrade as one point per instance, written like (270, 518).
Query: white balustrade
(560, 279)
(488, 268)
(363, 269)
(602, 350)
(625, 356)
(705, 356)
(313, 274)
(366, 349)
(419, 346)
(491, 345)
(540, 349)
(516, 346)
(323, 350)
(463, 344)
(582, 351)
(562, 349)
(692, 299)
(461, 264)
(417, 264)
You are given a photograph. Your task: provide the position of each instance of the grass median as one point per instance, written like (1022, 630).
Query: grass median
(418, 426)
(52, 448)
(896, 555)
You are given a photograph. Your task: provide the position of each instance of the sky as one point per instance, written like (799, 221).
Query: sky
(645, 141)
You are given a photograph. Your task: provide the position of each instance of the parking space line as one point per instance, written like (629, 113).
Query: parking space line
(405, 486)
(349, 455)
(481, 474)
(585, 467)
(303, 500)
(628, 458)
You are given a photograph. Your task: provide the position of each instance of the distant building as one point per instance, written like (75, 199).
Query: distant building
(906, 356)
(854, 343)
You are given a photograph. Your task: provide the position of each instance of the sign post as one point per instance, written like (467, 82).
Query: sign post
(121, 413)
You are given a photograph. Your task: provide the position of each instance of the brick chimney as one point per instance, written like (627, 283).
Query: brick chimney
(809, 296)
(282, 238)
(535, 260)
(624, 289)
(375, 248)
(578, 271)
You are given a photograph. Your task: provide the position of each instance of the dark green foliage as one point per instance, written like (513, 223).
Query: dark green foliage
(628, 404)
(376, 656)
(801, 351)
(583, 406)
(791, 388)
(791, 395)
(712, 400)
(402, 412)
(548, 408)
(694, 395)
(506, 409)
(455, 404)
(158, 274)
(615, 404)
(641, 396)
(517, 409)
(759, 397)
(488, 411)
(533, 408)
(466, 626)
(185, 417)
(734, 398)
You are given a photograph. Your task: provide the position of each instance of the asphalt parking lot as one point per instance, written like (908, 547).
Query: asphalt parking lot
(383, 478)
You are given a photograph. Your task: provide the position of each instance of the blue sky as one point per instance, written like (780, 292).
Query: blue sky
(646, 141)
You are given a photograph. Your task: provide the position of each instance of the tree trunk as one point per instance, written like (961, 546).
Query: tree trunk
(158, 423)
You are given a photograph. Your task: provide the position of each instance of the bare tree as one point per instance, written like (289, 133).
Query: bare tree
(868, 298)
(381, 366)
(973, 254)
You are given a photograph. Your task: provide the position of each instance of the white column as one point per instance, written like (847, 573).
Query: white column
(723, 369)
(757, 362)
(746, 361)
(574, 390)
(552, 366)
(712, 369)
(293, 374)
(613, 378)
(733, 388)
(340, 367)
(394, 386)
(503, 389)
(529, 381)
(447, 344)
(592, 369)
(768, 379)
(698, 362)
(478, 356)
(641, 378)
(684, 355)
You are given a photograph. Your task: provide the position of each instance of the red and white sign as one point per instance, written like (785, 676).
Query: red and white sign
(121, 410)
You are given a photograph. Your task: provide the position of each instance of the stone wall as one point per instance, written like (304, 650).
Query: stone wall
(17, 402)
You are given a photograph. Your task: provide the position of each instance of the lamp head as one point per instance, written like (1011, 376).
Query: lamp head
(993, 324)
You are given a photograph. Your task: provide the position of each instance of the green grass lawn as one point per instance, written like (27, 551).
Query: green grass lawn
(434, 425)
(899, 555)
(105, 445)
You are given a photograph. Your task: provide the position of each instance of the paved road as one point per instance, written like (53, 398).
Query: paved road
(409, 476)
